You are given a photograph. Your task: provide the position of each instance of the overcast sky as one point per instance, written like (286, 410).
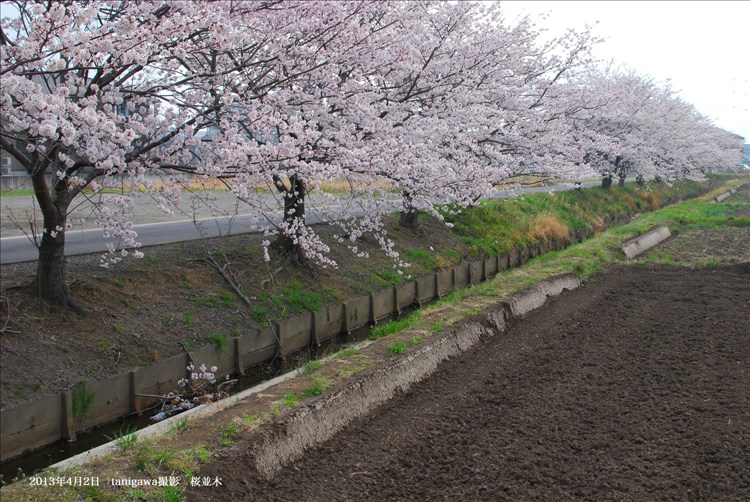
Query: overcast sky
(702, 46)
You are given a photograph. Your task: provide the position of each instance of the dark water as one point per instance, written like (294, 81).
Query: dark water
(35, 461)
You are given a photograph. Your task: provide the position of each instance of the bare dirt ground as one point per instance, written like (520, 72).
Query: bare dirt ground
(634, 387)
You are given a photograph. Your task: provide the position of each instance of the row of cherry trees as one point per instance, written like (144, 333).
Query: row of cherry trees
(438, 101)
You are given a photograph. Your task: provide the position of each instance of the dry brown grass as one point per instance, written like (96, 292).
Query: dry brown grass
(547, 228)
(441, 262)
(337, 185)
(653, 201)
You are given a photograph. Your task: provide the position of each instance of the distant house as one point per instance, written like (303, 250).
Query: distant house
(13, 175)
(10, 166)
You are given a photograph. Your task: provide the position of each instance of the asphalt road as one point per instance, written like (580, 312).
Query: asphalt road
(16, 247)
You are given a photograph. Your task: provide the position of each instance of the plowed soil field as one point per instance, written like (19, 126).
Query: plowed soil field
(636, 386)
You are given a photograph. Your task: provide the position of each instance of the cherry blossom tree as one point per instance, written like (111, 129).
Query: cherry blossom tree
(98, 94)
(636, 125)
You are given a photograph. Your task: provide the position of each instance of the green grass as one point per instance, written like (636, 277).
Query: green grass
(293, 299)
(317, 387)
(416, 340)
(313, 365)
(228, 299)
(299, 299)
(396, 326)
(18, 193)
(170, 494)
(150, 459)
(219, 340)
(204, 301)
(386, 277)
(249, 419)
(396, 348)
(181, 424)
(82, 400)
(202, 454)
(259, 314)
(222, 299)
(344, 353)
(227, 434)
(290, 399)
(125, 439)
(499, 226)
(425, 259)
(352, 370)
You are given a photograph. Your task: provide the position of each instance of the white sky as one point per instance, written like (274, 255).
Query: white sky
(702, 46)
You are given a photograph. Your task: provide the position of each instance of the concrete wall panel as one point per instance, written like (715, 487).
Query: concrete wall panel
(30, 425)
(515, 258)
(296, 332)
(406, 294)
(259, 355)
(462, 271)
(445, 281)
(358, 313)
(476, 271)
(162, 377)
(383, 303)
(111, 400)
(426, 286)
(490, 266)
(503, 262)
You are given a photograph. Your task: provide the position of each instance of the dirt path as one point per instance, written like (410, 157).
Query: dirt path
(633, 387)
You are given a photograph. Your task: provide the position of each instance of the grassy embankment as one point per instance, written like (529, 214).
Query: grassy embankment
(498, 227)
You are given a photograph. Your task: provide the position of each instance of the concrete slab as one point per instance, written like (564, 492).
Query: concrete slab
(519, 304)
(634, 247)
(724, 196)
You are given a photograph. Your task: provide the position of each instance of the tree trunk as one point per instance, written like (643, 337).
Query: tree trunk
(621, 180)
(409, 219)
(607, 181)
(50, 271)
(294, 214)
(410, 216)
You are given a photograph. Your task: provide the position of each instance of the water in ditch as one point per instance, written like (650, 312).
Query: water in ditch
(35, 461)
